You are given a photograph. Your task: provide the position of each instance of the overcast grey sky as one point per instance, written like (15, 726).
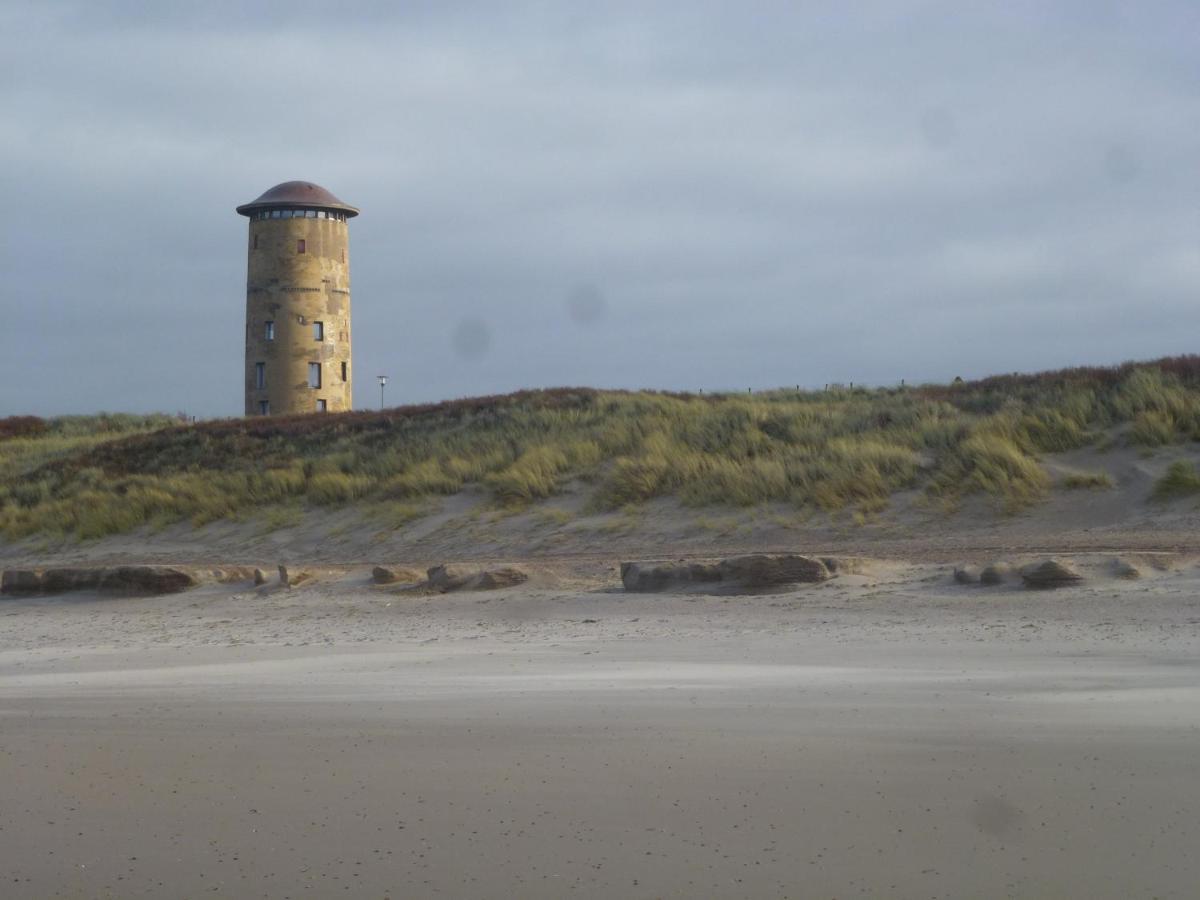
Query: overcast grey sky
(674, 195)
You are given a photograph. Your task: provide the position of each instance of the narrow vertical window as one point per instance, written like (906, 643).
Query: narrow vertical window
(300, 245)
(320, 406)
(260, 375)
(264, 407)
(318, 331)
(344, 378)
(256, 242)
(269, 330)
(343, 254)
(314, 375)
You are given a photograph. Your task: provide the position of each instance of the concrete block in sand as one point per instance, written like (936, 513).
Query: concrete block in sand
(63, 579)
(996, 573)
(392, 575)
(460, 578)
(147, 580)
(764, 570)
(1052, 573)
(649, 578)
(21, 581)
(753, 572)
(260, 577)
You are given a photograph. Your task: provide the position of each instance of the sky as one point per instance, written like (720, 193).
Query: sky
(673, 195)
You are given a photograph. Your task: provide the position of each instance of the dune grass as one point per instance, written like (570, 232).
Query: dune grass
(839, 449)
(1180, 480)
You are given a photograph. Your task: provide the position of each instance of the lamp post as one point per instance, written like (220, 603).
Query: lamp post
(382, 384)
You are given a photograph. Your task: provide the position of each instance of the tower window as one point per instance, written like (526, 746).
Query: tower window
(344, 372)
(343, 254)
(318, 331)
(321, 406)
(314, 375)
(256, 242)
(300, 245)
(269, 330)
(260, 375)
(264, 407)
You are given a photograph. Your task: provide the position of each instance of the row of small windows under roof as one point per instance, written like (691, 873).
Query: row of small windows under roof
(298, 214)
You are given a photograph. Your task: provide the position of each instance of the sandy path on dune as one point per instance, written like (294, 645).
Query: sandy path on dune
(883, 736)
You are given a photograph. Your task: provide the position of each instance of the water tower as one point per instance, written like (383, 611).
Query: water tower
(298, 301)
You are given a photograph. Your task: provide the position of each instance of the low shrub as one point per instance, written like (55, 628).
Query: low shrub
(22, 426)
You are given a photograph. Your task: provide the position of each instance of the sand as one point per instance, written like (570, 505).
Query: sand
(888, 734)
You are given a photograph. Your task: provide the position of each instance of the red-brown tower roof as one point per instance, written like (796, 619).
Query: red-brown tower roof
(297, 193)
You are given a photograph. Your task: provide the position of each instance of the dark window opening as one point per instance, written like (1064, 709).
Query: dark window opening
(264, 407)
(320, 406)
(344, 372)
(269, 330)
(260, 375)
(318, 331)
(314, 375)
(256, 242)
(300, 245)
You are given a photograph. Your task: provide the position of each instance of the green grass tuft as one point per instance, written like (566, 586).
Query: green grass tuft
(1181, 480)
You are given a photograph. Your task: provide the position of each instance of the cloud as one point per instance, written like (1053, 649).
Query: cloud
(669, 195)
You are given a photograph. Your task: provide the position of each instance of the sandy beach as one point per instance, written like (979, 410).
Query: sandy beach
(885, 734)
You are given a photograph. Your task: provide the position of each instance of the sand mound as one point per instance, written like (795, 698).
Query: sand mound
(1123, 568)
(966, 575)
(394, 575)
(448, 578)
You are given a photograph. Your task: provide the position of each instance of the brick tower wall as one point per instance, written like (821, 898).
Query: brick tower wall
(298, 274)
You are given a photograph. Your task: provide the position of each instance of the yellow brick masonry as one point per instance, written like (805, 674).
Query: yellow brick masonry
(294, 289)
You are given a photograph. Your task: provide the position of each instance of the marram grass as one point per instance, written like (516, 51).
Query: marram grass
(820, 450)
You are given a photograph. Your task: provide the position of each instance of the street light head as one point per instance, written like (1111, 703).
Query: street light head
(382, 381)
